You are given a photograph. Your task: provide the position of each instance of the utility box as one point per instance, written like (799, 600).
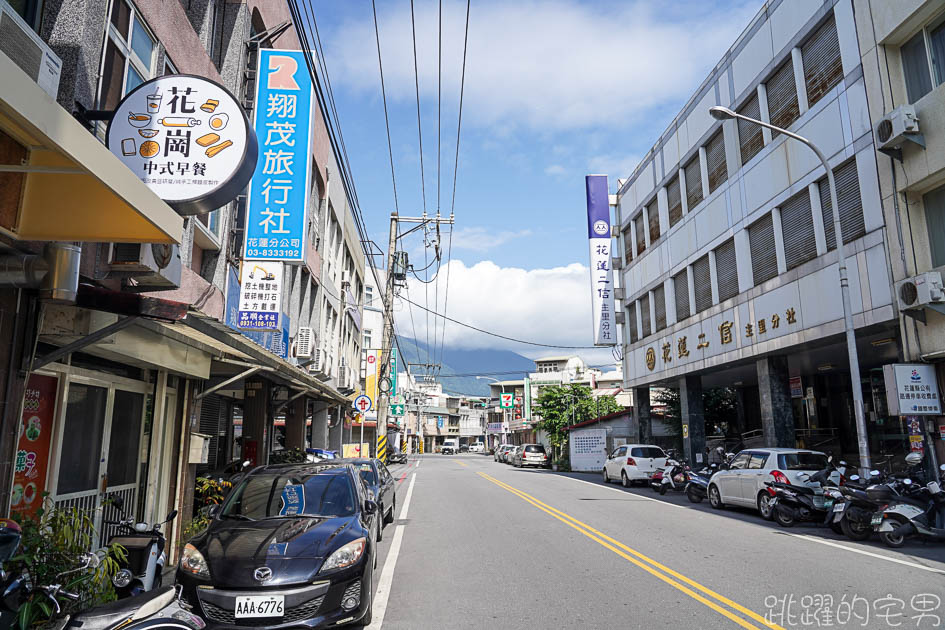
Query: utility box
(199, 448)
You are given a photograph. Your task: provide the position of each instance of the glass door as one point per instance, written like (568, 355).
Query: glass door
(81, 462)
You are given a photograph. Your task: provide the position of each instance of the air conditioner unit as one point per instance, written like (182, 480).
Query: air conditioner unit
(318, 360)
(152, 266)
(920, 291)
(24, 47)
(304, 342)
(620, 293)
(896, 128)
(616, 262)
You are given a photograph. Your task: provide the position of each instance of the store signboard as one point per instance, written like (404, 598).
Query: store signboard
(797, 387)
(911, 389)
(602, 275)
(32, 452)
(260, 300)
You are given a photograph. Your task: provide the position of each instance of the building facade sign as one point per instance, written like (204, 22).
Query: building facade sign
(911, 389)
(32, 453)
(277, 203)
(188, 139)
(260, 300)
(602, 276)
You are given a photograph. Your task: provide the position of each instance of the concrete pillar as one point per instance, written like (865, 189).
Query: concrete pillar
(693, 419)
(335, 428)
(774, 388)
(641, 428)
(295, 417)
(320, 426)
(738, 422)
(257, 423)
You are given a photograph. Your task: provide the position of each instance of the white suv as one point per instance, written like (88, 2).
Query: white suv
(633, 462)
(743, 482)
(478, 447)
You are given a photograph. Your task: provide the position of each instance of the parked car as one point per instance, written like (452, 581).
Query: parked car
(478, 447)
(531, 455)
(449, 447)
(500, 451)
(510, 454)
(286, 540)
(743, 482)
(381, 484)
(632, 463)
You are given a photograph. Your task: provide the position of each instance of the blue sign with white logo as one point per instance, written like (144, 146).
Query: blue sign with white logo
(293, 500)
(277, 204)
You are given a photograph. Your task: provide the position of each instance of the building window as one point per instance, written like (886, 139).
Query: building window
(764, 255)
(645, 314)
(702, 283)
(681, 285)
(750, 138)
(797, 230)
(659, 304)
(641, 234)
(848, 199)
(367, 338)
(726, 270)
(653, 218)
(30, 10)
(928, 45)
(130, 50)
(674, 199)
(934, 203)
(823, 68)
(169, 67)
(627, 245)
(715, 160)
(632, 322)
(368, 295)
(783, 109)
(693, 182)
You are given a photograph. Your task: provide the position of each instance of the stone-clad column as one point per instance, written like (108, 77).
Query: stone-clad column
(641, 427)
(257, 423)
(693, 419)
(295, 423)
(320, 426)
(774, 388)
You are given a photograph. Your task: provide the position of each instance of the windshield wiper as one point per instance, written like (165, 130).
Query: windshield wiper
(241, 517)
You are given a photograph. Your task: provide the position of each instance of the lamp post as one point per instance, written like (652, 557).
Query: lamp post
(502, 389)
(723, 113)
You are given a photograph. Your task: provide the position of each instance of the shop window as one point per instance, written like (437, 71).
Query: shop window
(693, 182)
(823, 68)
(702, 283)
(934, 203)
(726, 270)
(681, 285)
(129, 56)
(764, 256)
(783, 109)
(674, 198)
(715, 160)
(923, 60)
(797, 230)
(750, 138)
(848, 199)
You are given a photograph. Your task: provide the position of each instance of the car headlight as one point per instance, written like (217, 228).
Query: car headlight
(193, 562)
(346, 556)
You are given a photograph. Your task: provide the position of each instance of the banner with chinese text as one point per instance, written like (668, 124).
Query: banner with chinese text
(32, 451)
(602, 276)
(260, 301)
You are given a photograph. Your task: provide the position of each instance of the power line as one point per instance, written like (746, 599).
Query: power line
(380, 66)
(493, 334)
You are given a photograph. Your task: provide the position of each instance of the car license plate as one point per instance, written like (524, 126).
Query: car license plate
(839, 507)
(248, 606)
(877, 519)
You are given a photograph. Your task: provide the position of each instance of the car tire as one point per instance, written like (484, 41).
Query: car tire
(894, 542)
(764, 505)
(389, 517)
(606, 478)
(624, 481)
(715, 499)
(380, 530)
(783, 518)
(693, 496)
(368, 617)
(855, 531)
(663, 487)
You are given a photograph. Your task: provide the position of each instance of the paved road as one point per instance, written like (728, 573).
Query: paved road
(487, 545)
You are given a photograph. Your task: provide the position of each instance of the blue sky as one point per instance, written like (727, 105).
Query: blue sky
(554, 90)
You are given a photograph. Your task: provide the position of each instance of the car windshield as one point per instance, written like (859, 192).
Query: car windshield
(535, 448)
(802, 461)
(299, 492)
(647, 451)
(367, 473)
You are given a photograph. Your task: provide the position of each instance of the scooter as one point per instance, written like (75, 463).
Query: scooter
(907, 517)
(656, 480)
(697, 486)
(855, 502)
(793, 503)
(675, 476)
(141, 571)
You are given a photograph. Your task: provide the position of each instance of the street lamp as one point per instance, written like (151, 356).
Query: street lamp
(724, 113)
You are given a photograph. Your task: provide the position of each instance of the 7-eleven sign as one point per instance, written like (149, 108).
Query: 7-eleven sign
(506, 400)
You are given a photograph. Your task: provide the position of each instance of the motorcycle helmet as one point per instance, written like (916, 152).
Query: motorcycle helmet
(914, 458)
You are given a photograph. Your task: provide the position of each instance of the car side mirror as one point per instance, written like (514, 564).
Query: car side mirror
(214, 510)
(370, 507)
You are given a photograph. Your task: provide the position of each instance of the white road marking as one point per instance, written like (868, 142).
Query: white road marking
(387, 574)
(914, 565)
(598, 485)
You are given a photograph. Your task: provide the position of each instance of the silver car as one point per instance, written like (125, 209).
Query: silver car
(500, 451)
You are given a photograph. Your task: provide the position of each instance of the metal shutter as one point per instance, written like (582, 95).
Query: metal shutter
(750, 138)
(674, 198)
(702, 283)
(641, 235)
(632, 321)
(822, 66)
(645, 314)
(693, 182)
(212, 422)
(848, 197)
(782, 97)
(659, 302)
(797, 230)
(653, 218)
(764, 256)
(726, 270)
(627, 245)
(715, 160)
(681, 282)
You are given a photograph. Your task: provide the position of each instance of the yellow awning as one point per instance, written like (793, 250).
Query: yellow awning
(72, 187)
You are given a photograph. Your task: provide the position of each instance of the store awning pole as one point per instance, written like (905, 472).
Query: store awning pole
(232, 379)
(88, 340)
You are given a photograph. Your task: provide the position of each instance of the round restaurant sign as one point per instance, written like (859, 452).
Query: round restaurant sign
(188, 139)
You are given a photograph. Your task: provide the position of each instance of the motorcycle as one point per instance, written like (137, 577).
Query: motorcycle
(920, 513)
(793, 503)
(697, 486)
(855, 502)
(656, 480)
(675, 476)
(142, 568)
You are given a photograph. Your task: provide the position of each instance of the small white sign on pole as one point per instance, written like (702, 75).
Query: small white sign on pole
(911, 390)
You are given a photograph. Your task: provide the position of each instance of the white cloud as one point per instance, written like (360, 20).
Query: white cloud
(549, 64)
(617, 165)
(555, 169)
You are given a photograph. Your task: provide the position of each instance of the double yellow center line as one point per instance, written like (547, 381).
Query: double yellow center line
(690, 587)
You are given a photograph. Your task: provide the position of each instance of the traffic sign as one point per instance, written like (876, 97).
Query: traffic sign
(506, 400)
(363, 403)
(397, 409)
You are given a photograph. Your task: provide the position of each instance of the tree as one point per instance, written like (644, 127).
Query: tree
(718, 404)
(561, 406)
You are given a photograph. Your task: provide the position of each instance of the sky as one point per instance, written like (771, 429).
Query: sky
(554, 90)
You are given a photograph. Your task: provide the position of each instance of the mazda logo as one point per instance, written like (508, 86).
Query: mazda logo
(263, 573)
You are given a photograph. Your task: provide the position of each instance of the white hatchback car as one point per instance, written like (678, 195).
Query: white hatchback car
(743, 482)
(633, 462)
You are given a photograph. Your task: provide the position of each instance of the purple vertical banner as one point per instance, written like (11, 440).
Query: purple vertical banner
(602, 276)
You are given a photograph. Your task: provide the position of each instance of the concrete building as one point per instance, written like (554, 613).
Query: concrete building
(729, 261)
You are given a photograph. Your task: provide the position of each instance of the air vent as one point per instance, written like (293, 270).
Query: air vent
(885, 130)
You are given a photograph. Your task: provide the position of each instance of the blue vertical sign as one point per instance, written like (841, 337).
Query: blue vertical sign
(602, 276)
(276, 208)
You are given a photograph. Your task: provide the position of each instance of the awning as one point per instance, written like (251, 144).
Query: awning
(60, 183)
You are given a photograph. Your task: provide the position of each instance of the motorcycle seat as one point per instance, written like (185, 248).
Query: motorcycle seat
(112, 613)
(792, 488)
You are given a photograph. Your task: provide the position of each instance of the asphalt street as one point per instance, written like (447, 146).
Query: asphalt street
(483, 544)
